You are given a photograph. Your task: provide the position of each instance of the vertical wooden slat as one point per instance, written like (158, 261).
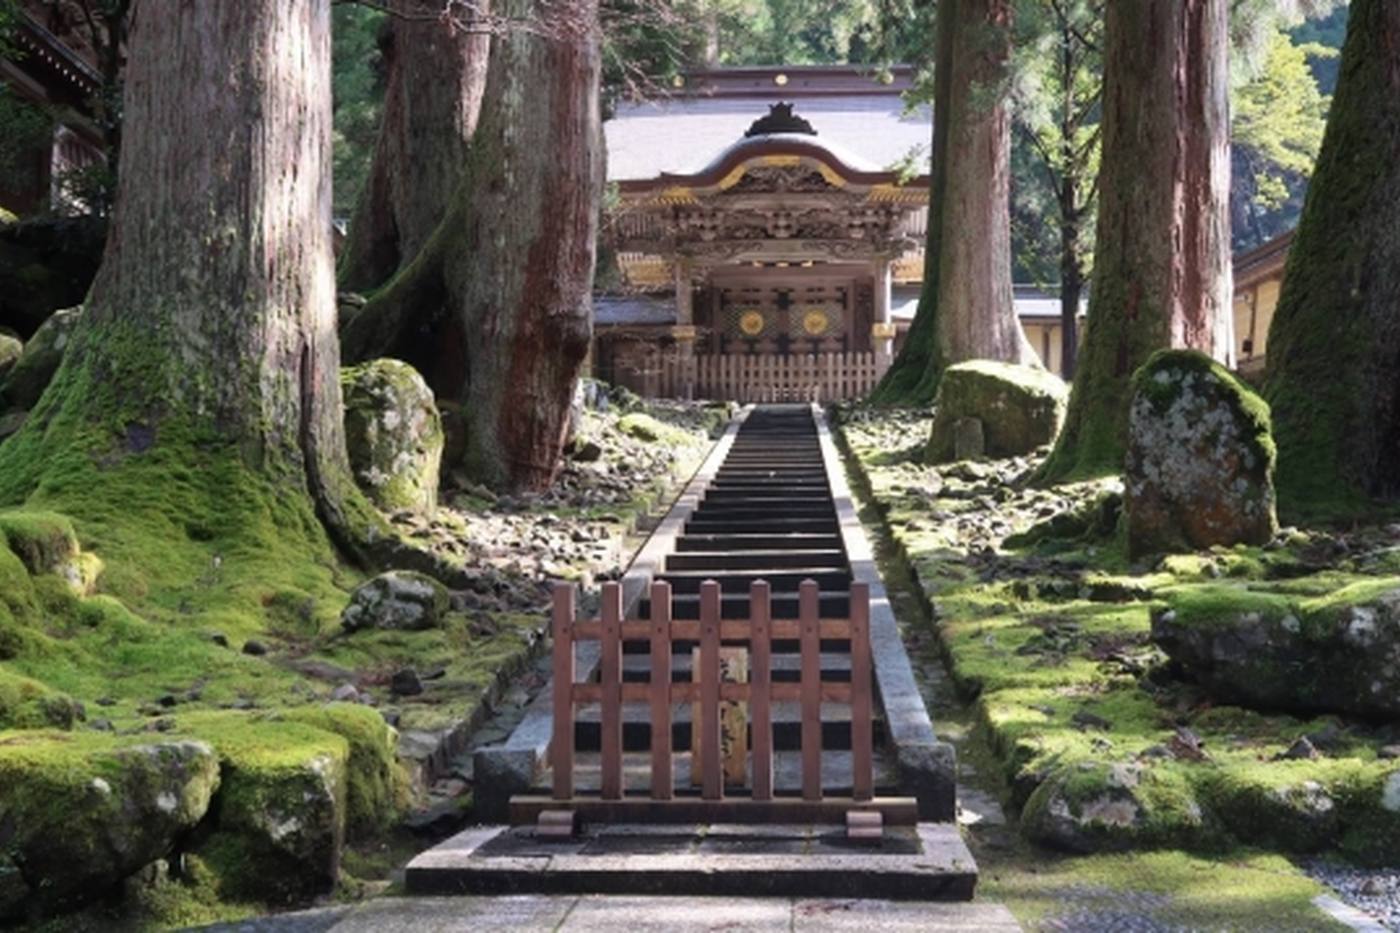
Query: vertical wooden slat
(712, 783)
(809, 618)
(610, 672)
(661, 779)
(862, 708)
(561, 742)
(760, 695)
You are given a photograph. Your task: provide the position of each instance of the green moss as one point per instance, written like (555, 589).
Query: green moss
(644, 427)
(28, 704)
(43, 540)
(1160, 381)
(376, 784)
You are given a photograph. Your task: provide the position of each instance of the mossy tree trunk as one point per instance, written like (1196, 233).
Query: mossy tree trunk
(976, 312)
(436, 76)
(209, 332)
(966, 309)
(1334, 346)
(913, 377)
(507, 277)
(1162, 262)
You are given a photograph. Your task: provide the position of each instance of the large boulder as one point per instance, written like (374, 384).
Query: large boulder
(399, 599)
(1200, 462)
(81, 813)
(394, 435)
(1020, 408)
(34, 370)
(1338, 653)
(28, 704)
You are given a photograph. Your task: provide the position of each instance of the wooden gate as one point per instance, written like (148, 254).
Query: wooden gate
(759, 801)
(743, 377)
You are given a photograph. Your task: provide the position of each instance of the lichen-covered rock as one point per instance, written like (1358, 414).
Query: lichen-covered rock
(399, 599)
(80, 813)
(1020, 407)
(10, 350)
(1095, 807)
(1278, 807)
(394, 435)
(1200, 460)
(377, 786)
(1339, 653)
(34, 370)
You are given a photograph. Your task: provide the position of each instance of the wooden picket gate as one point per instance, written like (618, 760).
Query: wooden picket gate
(560, 812)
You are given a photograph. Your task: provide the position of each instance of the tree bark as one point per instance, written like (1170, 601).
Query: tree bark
(976, 311)
(210, 328)
(913, 377)
(1162, 264)
(509, 271)
(1334, 346)
(436, 78)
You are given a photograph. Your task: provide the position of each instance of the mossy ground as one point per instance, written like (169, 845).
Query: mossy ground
(1048, 644)
(198, 556)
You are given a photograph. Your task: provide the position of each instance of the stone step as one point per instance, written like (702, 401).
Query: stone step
(757, 560)
(734, 581)
(742, 510)
(787, 488)
(718, 526)
(927, 862)
(720, 542)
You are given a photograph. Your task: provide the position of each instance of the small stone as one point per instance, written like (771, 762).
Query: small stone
(168, 700)
(220, 639)
(1301, 750)
(1389, 752)
(1087, 720)
(105, 701)
(406, 683)
(102, 725)
(345, 693)
(255, 648)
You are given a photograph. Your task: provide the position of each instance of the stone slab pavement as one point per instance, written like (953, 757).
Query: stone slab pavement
(620, 914)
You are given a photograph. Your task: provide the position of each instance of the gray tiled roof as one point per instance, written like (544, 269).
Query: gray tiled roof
(683, 135)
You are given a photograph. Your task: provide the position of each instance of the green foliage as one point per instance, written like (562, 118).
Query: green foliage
(1277, 126)
(357, 86)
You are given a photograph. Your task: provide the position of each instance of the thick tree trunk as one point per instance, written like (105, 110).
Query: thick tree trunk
(1334, 346)
(913, 377)
(522, 272)
(210, 329)
(976, 310)
(436, 77)
(504, 285)
(1162, 263)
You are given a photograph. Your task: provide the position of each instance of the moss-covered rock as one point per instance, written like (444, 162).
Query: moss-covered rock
(1020, 408)
(82, 812)
(1337, 653)
(10, 350)
(377, 787)
(281, 809)
(399, 599)
(643, 427)
(394, 435)
(1200, 461)
(28, 704)
(1094, 807)
(31, 373)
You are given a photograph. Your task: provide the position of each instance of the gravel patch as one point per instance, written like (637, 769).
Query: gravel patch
(1375, 892)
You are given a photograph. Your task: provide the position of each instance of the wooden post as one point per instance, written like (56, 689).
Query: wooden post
(809, 618)
(761, 677)
(662, 783)
(862, 738)
(561, 740)
(711, 766)
(611, 682)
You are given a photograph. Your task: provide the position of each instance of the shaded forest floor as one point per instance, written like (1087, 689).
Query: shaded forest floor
(104, 648)
(1030, 630)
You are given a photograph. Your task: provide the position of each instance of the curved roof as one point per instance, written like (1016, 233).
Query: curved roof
(868, 133)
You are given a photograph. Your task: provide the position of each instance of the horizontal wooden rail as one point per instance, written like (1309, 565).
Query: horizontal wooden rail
(729, 630)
